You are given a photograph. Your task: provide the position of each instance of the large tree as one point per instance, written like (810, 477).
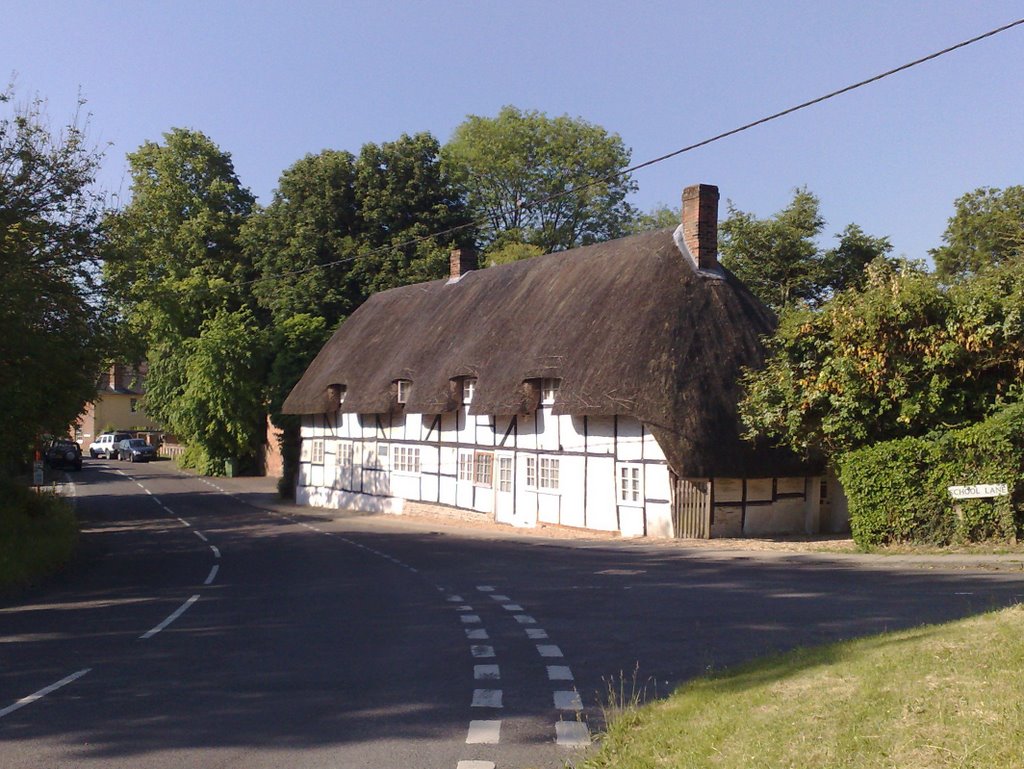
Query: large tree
(780, 260)
(553, 183)
(52, 331)
(987, 228)
(183, 285)
(900, 357)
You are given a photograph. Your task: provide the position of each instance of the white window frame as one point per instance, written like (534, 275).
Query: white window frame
(549, 390)
(505, 473)
(406, 460)
(466, 466)
(316, 451)
(483, 468)
(630, 484)
(468, 390)
(548, 472)
(346, 454)
(531, 472)
(404, 385)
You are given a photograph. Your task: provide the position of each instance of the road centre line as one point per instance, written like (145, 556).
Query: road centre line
(43, 692)
(216, 552)
(173, 616)
(200, 535)
(213, 574)
(483, 733)
(184, 522)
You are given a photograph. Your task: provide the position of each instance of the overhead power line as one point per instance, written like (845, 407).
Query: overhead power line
(660, 158)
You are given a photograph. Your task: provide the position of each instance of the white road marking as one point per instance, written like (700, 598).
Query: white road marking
(469, 619)
(568, 700)
(464, 607)
(486, 672)
(481, 651)
(185, 523)
(559, 673)
(174, 615)
(165, 507)
(500, 598)
(455, 598)
(157, 500)
(484, 733)
(476, 634)
(216, 552)
(485, 588)
(43, 692)
(213, 573)
(549, 650)
(525, 619)
(475, 765)
(572, 734)
(486, 698)
(147, 491)
(200, 535)
(512, 607)
(536, 633)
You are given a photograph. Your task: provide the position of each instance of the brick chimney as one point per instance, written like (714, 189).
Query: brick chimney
(463, 260)
(700, 224)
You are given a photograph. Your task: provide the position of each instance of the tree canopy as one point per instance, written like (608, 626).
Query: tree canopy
(986, 229)
(779, 258)
(900, 357)
(53, 335)
(553, 183)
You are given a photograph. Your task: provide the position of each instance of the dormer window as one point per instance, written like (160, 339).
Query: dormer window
(468, 389)
(403, 390)
(548, 390)
(336, 394)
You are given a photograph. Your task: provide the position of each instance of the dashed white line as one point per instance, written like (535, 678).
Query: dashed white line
(183, 522)
(200, 535)
(481, 651)
(469, 619)
(568, 700)
(572, 734)
(559, 673)
(485, 588)
(43, 692)
(174, 615)
(536, 633)
(549, 650)
(500, 598)
(525, 619)
(512, 607)
(455, 599)
(486, 698)
(213, 574)
(486, 672)
(484, 733)
(476, 634)
(216, 552)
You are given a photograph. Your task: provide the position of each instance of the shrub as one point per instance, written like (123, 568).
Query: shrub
(898, 490)
(38, 533)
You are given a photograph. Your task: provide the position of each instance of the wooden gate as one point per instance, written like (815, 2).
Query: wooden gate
(691, 508)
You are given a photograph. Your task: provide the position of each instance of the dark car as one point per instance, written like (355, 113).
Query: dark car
(63, 454)
(135, 450)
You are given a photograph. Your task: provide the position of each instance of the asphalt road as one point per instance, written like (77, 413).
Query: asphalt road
(195, 630)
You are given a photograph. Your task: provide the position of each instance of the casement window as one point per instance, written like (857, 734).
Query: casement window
(630, 489)
(345, 454)
(504, 473)
(483, 468)
(542, 473)
(548, 390)
(316, 451)
(548, 478)
(466, 466)
(406, 459)
(404, 385)
(468, 390)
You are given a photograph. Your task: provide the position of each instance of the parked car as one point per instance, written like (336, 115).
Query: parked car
(105, 445)
(135, 450)
(63, 454)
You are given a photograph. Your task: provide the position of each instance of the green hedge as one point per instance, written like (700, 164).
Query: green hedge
(897, 490)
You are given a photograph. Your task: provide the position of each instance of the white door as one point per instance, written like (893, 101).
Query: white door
(504, 488)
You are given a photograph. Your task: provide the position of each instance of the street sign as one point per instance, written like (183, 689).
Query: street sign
(979, 490)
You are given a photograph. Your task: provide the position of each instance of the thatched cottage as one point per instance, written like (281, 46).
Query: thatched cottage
(593, 388)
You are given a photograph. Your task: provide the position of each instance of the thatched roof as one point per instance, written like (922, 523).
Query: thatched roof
(628, 326)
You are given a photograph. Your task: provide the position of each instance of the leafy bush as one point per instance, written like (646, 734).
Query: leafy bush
(38, 533)
(898, 490)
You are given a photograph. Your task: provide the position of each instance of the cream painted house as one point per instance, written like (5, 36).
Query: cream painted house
(595, 388)
(119, 404)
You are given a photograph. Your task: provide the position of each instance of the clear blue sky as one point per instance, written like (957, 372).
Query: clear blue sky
(272, 81)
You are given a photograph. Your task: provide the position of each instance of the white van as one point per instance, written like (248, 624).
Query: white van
(105, 445)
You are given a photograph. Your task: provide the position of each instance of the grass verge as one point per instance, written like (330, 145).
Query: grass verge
(38, 533)
(937, 696)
